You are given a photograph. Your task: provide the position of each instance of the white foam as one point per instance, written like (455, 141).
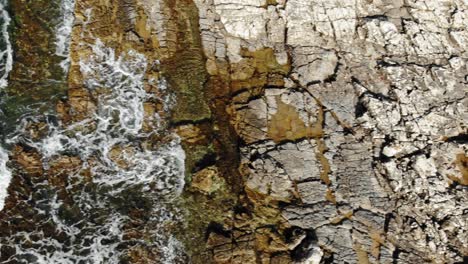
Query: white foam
(118, 120)
(6, 55)
(5, 177)
(157, 173)
(63, 32)
(171, 250)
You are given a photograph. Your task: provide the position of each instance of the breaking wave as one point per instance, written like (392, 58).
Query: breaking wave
(6, 64)
(6, 50)
(63, 32)
(111, 167)
(5, 177)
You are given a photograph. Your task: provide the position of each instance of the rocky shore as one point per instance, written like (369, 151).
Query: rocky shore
(318, 131)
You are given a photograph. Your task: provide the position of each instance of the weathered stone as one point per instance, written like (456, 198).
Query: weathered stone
(207, 180)
(385, 91)
(316, 131)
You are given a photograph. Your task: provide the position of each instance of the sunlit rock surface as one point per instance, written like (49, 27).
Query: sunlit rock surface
(366, 155)
(234, 131)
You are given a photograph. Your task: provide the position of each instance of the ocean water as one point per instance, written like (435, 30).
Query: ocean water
(6, 49)
(63, 32)
(5, 177)
(6, 64)
(110, 166)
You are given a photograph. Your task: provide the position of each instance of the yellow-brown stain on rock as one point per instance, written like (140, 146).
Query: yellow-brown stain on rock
(342, 217)
(257, 69)
(377, 241)
(207, 181)
(322, 148)
(330, 196)
(141, 25)
(461, 162)
(269, 241)
(361, 253)
(286, 124)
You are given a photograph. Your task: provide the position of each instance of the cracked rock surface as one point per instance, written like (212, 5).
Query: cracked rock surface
(314, 131)
(353, 131)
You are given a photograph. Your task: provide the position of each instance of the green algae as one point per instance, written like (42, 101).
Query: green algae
(197, 155)
(201, 211)
(185, 70)
(188, 78)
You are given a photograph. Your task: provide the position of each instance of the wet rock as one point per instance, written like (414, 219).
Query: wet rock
(29, 161)
(341, 120)
(61, 168)
(207, 180)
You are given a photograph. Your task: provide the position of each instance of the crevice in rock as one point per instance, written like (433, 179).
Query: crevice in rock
(206, 161)
(396, 255)
(376, 17)
(378, 96)
(306, 248)
(459, 139)
(387, 142)
(191, 122)
(360, 109)
(334, 75)
(388, 219)
(218, 229)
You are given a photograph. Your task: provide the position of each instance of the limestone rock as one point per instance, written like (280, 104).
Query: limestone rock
(316, 131)
(365, 139)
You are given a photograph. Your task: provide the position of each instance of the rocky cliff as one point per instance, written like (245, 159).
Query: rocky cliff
(313, 131)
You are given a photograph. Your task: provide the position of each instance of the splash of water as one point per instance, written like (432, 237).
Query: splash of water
(63, 32)
(118, 123)
(6, 64)
(6, 53)
(5, 177)
(115, 149)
